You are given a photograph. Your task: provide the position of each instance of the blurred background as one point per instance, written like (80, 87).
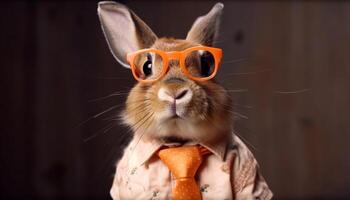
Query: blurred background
(286, 64)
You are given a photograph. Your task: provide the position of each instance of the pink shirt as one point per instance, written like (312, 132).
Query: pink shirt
(230, 172)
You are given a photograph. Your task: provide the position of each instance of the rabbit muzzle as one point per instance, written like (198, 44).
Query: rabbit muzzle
(176, 100)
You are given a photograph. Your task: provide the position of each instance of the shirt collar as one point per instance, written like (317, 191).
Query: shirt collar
(142, 151)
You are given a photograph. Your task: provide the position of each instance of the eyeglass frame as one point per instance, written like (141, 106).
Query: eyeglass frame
(175, 55)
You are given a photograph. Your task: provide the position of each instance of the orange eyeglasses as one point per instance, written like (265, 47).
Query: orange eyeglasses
(199, 63)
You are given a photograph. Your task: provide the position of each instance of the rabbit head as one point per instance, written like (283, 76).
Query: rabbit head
(174, 107)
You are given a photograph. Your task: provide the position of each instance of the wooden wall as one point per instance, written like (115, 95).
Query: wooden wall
(290, 59)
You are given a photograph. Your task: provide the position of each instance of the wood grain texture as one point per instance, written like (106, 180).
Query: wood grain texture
(55, 59)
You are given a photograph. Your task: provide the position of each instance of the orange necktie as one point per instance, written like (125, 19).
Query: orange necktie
(183, 162)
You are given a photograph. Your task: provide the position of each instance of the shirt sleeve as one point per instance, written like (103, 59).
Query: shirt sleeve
(253, 186)
(247, 181)
(114, 192)
(121, 168)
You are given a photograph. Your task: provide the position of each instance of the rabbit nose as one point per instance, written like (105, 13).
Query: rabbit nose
(180, 96)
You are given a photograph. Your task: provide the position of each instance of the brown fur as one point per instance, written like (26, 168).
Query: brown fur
(208, 115)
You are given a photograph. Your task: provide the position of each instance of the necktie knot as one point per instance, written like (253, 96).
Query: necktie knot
(183, 162)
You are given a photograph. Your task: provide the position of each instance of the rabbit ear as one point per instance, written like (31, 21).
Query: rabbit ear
(205, 28)
(124, 31)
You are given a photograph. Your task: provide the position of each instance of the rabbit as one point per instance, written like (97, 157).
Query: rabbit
(176, 110)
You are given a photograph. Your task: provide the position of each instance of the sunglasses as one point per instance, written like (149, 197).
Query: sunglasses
(198, 63)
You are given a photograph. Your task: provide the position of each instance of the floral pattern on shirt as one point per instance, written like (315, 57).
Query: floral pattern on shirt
(230, 172)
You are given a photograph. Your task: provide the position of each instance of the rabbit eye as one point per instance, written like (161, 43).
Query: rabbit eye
(205, 67)
(207, 63)
(200, 63)
(147, 66)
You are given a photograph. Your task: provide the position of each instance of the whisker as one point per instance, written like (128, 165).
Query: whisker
(118, 93)
(112, 118)
(145, 107)
(292, 92)
(240, 115)
(117, 117)
(141, 100)
(231, 90)
(242, 106)
(235, 61)
(98, 114)
(153, 94)
(223, 104)
(139, 139)
(238, 90)
(141, 121)
(229, 110)
(109, 126)
(113, 78)
(105, 97)
(106, 130)
(247, 73)
(235, 114)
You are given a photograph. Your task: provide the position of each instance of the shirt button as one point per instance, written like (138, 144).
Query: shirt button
(204, 188)
(155, 193)
(225, 168)
(133, 171)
